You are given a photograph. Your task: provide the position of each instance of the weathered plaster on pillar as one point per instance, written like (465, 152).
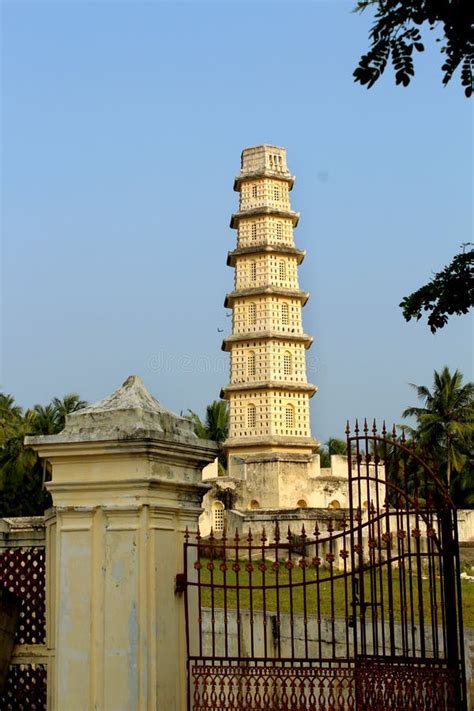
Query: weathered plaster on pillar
(126, 481)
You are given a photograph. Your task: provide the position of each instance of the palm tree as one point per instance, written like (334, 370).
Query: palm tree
(445, 423)
(215, 425)
(10, 416)
(331, 446)
(70, 403)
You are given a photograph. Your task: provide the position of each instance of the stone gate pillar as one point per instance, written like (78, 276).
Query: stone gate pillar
(126, 482)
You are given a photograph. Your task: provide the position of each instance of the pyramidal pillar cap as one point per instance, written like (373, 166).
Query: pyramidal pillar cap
(129, 413)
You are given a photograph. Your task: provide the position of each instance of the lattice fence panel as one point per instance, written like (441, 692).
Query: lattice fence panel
(22, 572)
(25, 689)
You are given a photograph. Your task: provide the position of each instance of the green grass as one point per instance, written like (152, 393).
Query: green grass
(267, 588)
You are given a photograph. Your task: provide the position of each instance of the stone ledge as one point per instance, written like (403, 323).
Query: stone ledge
(270, 385)
(285, 177)
(262, 211)
(265, 249)
(268, 441)
(298, 294)
(266, 336)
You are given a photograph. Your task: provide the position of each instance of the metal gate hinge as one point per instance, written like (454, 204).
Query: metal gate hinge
(179, 584)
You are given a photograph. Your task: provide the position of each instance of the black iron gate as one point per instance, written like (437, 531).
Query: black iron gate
(362, 611)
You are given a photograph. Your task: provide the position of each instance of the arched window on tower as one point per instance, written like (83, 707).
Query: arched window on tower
(254, 231)
(251, 364)
(282, 269)
(289, 417)
(253, 271)
(279, 230)
(254, 191)
(251, 417)
(276, 193)
(218, 516)
(287, 363)
(285, 314)
(253, 313)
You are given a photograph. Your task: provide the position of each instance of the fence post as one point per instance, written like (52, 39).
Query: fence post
(126, 481)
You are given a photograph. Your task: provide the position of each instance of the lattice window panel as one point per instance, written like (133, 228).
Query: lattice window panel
(22, 572)
(25, 688)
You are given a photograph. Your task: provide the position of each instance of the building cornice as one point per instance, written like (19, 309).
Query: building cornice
(299, 294)
(229, 341)
(263, 211)
(271, 174)
(269, 385)
(269, 441)
(265, 249)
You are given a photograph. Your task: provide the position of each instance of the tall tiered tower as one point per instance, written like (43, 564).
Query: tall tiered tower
(268, 393)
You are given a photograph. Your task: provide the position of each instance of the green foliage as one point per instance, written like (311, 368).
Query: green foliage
(444, 432)
(215, 426)
(22, 475)
(451, 291)
(332, 446)
(396, 35)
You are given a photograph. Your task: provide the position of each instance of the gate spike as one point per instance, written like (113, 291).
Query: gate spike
(211, 535)
(356, 428)
(276, 534)
(348, 429)
(186, 534)
(249, 537)
(403, 439)
(263, 537)
(303, 532)
(316, 530)
(384, 429)
(366, 429)
(236, 537)
(394, 433)
(374, 428)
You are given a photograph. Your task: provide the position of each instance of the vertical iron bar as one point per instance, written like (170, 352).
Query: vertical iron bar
(224, 582)
(213, 613)
(264, 600)
(317, 563)
(290, 582)
(379, 533)
(277, 584)
(360, 543)
(249, 570)
(305, 607)
(237, 592)
(352, 537)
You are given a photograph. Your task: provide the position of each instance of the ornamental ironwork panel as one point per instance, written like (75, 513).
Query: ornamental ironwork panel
(22, 572)
(363, 611)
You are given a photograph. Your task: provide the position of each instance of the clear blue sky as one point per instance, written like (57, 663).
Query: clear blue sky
(122, 127)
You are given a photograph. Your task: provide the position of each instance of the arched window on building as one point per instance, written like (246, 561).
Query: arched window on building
(289, 417)
(251, 364)
(254, 191)
(253, 313)
(218, 516)
(254, 505)
(285, 314)
(302, 504)
(279, 230)
(253, 271)
(251, 417)
(287, 363)
(254, 231)
(282, 269)
(276, 193)
(334, 504)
